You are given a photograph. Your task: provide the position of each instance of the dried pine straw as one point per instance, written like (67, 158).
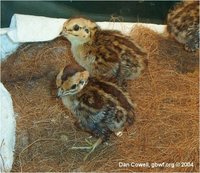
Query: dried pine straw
(166, 127)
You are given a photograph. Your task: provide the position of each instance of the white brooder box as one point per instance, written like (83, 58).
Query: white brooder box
(7, 130)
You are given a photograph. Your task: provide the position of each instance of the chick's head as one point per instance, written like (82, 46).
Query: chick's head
(79, 30)
(71, 80)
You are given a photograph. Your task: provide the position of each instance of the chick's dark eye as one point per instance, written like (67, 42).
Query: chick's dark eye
(81, 82)
(73, 86)
(87, 30)
(76, 27)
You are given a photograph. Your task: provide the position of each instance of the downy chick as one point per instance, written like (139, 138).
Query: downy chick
(100, 107)
(183, 24)
(104, 53)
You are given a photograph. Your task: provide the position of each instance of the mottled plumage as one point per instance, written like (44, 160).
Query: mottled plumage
(104, 53)
(183, 24)
(100, 107)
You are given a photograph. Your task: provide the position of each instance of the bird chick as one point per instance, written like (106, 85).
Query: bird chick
(104, 53)
(100, 108)
(183, 24)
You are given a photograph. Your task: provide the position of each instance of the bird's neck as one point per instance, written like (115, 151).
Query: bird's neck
(70, 102)
(82, 56)
(75, 48)
(78, 45)
(79, 52)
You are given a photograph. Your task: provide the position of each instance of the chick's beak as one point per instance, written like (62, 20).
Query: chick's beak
(59, 93)
(61, 33)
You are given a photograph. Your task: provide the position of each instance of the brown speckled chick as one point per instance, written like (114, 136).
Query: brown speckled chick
(183, 24)
(104, 53)
(100, 107)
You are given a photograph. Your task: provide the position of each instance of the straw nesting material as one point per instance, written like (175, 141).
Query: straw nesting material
(166, 127)
(36, 60)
